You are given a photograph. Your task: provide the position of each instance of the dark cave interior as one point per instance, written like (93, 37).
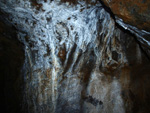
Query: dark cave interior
(12, 57)
(11, 62)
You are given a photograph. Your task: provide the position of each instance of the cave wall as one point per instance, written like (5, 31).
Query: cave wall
(77, 60)
(133, 12)
(11, 61)
(132, 15)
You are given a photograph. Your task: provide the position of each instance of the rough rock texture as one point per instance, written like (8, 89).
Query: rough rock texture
(133, 12)
(77, 60)
(133, 15)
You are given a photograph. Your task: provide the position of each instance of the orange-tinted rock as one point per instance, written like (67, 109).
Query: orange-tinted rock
(133, 12)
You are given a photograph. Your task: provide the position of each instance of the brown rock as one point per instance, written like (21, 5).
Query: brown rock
(133, 12)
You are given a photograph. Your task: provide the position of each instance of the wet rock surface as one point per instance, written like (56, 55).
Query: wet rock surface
(77, 60)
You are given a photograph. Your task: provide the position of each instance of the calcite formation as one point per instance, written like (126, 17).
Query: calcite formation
(77, 60)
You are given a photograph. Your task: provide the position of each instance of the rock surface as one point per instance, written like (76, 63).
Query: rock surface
(132, 15)
(133, 12)
(77, 60)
